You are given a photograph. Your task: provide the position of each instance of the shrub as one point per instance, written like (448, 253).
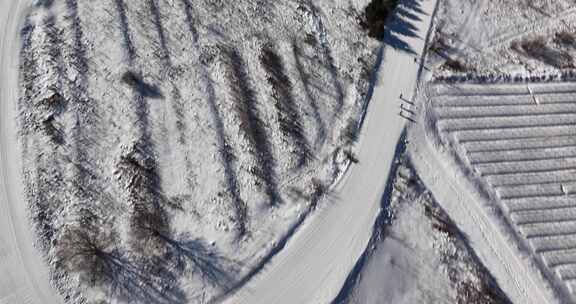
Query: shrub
(565, 38)
(538, 49)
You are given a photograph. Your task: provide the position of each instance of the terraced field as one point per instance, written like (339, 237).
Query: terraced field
(519, 143)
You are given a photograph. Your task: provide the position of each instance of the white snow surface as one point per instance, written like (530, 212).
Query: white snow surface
(485, 35)
(24, 275)
(225, 89)
(419, 255)
(463, 197)
(401, 267)
(314, 264)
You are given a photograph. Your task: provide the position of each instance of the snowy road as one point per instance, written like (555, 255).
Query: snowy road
(23, 275)
(313, 266)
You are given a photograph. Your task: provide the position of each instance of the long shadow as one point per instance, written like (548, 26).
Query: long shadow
(397, 43)
(288, 116)
(125, 30)
(190, 21)
(133, 281)
(195, 256)
(252, 125)
(225, 150)
(401, 24)
(304, 77)
(176, 101)
(414, 5)
(46, 193)
(44, 3)
(79, 50)
(85, 132)
(47, 184)
(178, 108)
(157, 21)
(127, 279)
(139, 171)
(406, 13)
(38, 181)
(327, 52)
(55, 42)
(226, 155)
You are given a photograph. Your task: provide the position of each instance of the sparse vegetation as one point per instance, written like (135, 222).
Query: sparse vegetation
(537, 48)
(288, 116)
(455, 65)
(252, 125)
(50, 127)
(146, 140)
(565, 38)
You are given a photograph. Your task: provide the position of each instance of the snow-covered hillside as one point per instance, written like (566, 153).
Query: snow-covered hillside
(419, 255)
(170, 146)
(503, 37)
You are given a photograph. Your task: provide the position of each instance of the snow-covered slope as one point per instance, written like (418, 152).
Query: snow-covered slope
(313, 266)
(171, 147)
(418, 255)
(23, 273)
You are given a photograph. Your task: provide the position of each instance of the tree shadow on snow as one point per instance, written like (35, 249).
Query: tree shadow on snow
(196, 257)
(145, 89)
(401, 24)
(131, 281)
(226, 155)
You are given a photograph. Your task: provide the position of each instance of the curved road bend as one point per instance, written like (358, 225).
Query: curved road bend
(313, 266)
(315, 263)
(23, 273)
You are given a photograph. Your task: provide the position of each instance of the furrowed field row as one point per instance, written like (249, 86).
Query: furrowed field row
(530, 178)
(482, 101)
(506, 122)
(522, 155)
(527, 132)
(507, 110)
(537, 190)
(464, 90)
(521, 142)
(538, 203)
(523, 166)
